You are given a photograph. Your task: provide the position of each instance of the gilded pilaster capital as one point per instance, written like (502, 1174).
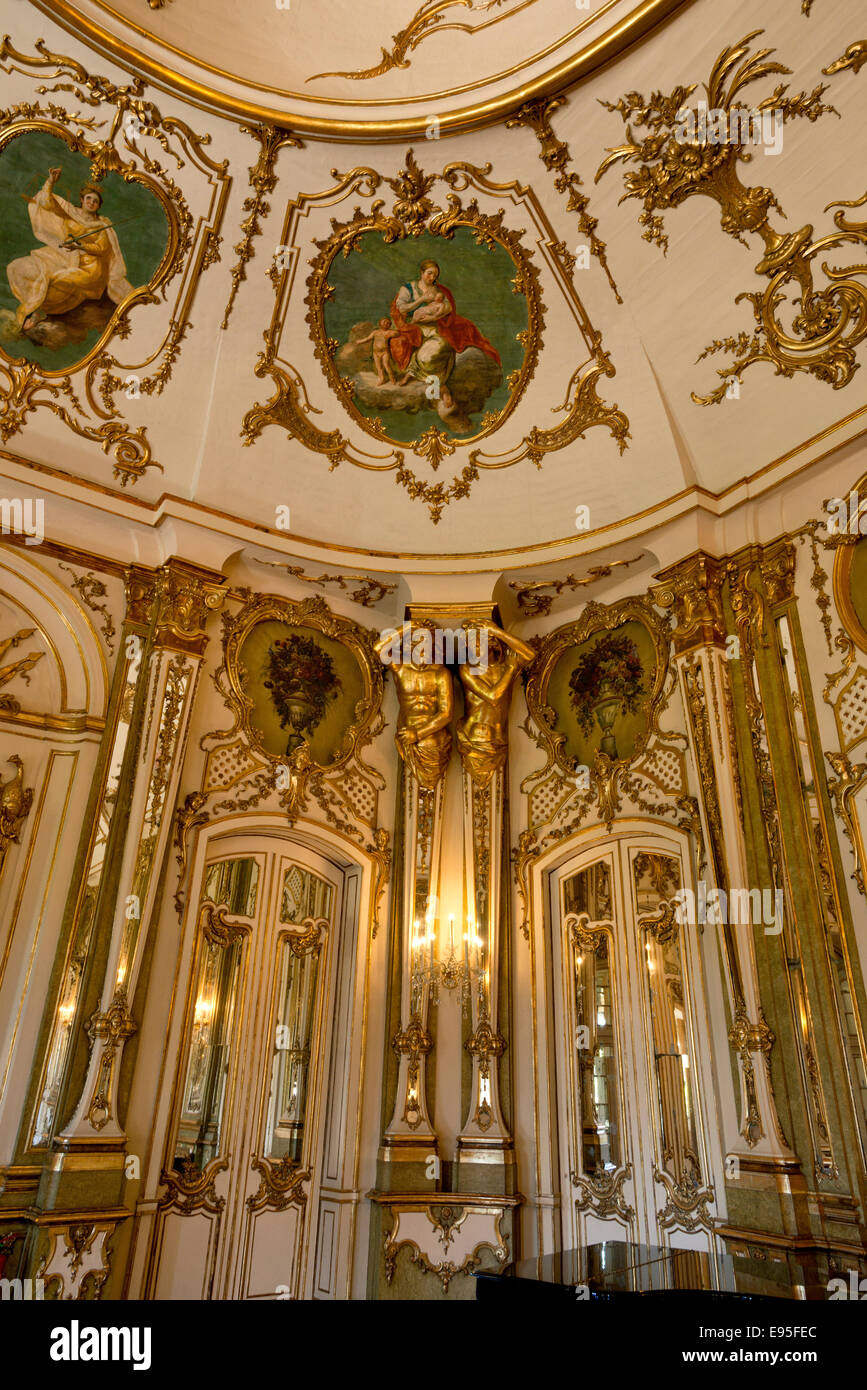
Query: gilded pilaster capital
(188, 595)
(693, 589)
(142, 586)
(778, 571)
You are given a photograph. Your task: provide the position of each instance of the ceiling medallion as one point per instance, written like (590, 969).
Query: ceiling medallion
(427, 322)
(100, 228)
(687, 152)
(427, 20)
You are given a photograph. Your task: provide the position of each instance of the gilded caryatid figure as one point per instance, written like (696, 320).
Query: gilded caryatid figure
(426, 705)
(483, 733)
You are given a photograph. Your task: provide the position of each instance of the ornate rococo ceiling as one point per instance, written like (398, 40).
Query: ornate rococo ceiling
(625, 328)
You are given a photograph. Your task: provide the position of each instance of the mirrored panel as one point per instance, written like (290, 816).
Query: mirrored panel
(232, 885)
(67, 1003)
(657, 879)
(587, 906)
(306, 901)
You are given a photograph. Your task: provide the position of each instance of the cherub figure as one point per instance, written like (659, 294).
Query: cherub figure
(381, 338)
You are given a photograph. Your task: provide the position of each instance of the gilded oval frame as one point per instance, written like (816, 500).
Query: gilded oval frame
(169, 264)
(412, 219)
(595, 620)
(315, 614)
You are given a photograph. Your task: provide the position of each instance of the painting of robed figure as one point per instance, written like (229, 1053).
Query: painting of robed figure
(79, 260)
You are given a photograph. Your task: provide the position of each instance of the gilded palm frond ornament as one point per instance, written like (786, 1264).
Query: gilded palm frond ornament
(799, 326)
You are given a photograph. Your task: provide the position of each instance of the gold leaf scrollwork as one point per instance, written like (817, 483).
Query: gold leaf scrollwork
(686, 1201)
(601, 1192)
(218, 928)
(91, 590)
(281, 1184)
(533, 603)
(192, 1189)
(428, 19)
(445, 1222)
(678, 160)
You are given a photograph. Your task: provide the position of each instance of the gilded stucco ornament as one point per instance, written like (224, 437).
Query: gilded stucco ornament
(429, 18)
(218, 928)
(677, 161)
(281, 1184)
(131, 124)
(483, 733)
(92, 590)
(15, 803)
(297, 767)
(556, 157)
(686, 1200)
(425, 707)
(844, 787)
(607, 771)
(413, 214)
(263, 181)
(601, 1192)
(535, 603)
(854, 57)
(192, 1189)
(11, 670)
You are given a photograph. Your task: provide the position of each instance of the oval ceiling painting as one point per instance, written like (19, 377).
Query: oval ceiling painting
(427, 331)
(75, 253)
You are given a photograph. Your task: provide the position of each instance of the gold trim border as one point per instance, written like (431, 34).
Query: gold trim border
(609, 46)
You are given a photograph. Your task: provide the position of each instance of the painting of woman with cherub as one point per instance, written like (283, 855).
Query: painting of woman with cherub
(419, 355)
